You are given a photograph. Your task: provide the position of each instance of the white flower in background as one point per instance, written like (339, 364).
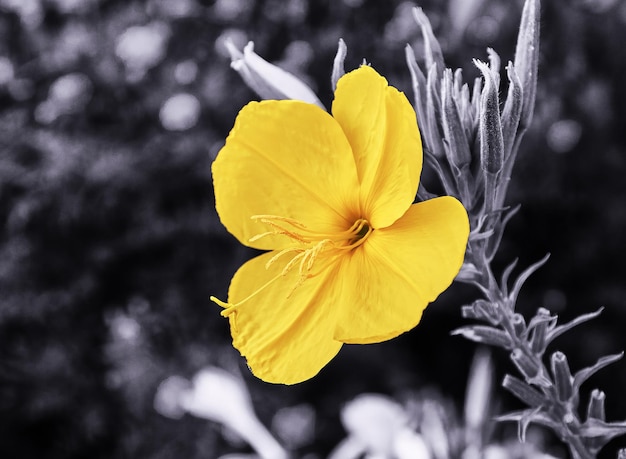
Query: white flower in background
(374, 420)
(218, 396)
(168, 395)
(408, 444)
(379, 428)
(180, 112)
(268, 80)
(141, 48)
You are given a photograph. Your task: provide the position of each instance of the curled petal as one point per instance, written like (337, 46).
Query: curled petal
(381, 126)
(389, 280)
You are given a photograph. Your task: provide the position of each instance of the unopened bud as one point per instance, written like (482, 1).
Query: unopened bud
(529, 368)
(519, 324)
(485, 335)
(268, 80)
(470, 312)
(340, 57)
(458, 147)
(418, 81)
(562, 376)
(433, 112)
(538, 340)
(494, 65)
(532, 397)
(489, 311)
(527, 57)
(431, 44)
(491, 143)
(512, 109)
(595, 409)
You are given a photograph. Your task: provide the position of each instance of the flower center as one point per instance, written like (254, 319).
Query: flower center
(310, 246)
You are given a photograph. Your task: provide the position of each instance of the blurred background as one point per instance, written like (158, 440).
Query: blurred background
(111, 113)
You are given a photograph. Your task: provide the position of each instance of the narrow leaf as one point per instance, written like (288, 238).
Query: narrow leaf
(524, 276)
(486, 335)
(583, 375)
(558, 331)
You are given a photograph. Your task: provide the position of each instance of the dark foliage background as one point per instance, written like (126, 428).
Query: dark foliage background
(110, 245)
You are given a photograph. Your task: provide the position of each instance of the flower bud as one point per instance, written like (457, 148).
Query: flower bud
(519, 324)
(491, 143)
(562, 376)
(488, 310)
(494, 65)
(486, 335)
(529, 368)
(268, 80)
(433, 112)
(527, 57)
(512, 109)
(532, 397)
(338, 69)
(526, 366)
(431, 44)
(458, 147)
(595, 409)
(470, 312)
(418, 81)
(374, 420)
(538, 339)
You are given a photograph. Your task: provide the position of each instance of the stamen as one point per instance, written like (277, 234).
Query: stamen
(302, 236)
(310, 246)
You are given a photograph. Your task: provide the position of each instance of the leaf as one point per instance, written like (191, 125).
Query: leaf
(558, 331)
(582, 375)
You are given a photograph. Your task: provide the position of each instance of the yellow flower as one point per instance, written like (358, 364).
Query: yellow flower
(352, 260)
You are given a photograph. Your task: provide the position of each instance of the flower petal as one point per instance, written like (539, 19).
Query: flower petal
(289, 159)
(286, 335)
(268, 80)
(381, 126)
(390, 279)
